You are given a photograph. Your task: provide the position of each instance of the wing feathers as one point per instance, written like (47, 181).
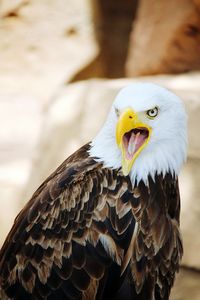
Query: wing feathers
(84, 221)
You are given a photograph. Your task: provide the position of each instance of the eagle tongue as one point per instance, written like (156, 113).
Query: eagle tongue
(133, 142)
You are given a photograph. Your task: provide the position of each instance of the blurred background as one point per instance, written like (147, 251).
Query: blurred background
(62, 63)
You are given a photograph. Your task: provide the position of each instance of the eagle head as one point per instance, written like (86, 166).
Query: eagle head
(145, 133)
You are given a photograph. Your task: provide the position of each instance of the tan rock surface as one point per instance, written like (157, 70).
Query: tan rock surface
(186, 286)
(112, 22)
(42, 43)
(165, 38)
(11, 7)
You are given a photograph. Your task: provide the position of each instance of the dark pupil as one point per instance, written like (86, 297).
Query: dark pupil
(152, 112)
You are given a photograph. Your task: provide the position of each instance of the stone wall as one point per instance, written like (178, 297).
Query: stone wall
(42, 43)
(139, 37)
(165, 38)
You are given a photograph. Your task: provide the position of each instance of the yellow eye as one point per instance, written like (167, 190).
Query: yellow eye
(152, 113)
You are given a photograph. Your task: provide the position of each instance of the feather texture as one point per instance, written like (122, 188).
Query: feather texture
(88, 234)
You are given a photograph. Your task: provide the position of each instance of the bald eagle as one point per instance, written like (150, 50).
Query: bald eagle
(105, 224)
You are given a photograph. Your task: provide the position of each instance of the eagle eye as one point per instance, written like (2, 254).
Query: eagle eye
(152, 113)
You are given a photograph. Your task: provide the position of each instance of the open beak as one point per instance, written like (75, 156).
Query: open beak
(131, 136)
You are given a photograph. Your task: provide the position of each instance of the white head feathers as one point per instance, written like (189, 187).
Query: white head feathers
(166, 149)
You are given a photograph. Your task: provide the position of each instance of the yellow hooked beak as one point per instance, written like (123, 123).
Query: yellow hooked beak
(131, 136)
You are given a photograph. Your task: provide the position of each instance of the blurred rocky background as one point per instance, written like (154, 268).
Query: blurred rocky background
(61, 64)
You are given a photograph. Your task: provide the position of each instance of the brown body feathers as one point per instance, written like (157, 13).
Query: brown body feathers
(88, 234)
